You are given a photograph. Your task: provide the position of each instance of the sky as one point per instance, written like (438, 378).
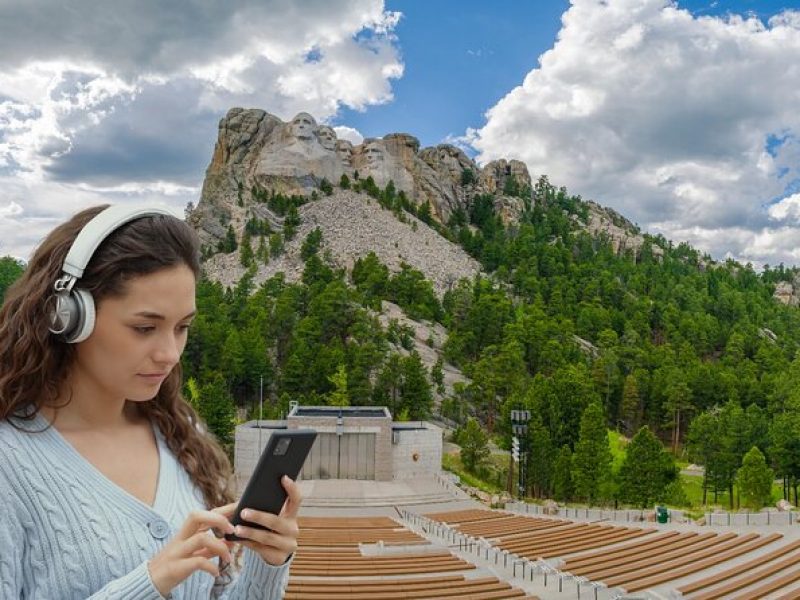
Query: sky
(681, 115)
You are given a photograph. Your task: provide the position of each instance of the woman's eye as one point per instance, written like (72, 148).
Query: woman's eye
(143, 329)
(185, 327)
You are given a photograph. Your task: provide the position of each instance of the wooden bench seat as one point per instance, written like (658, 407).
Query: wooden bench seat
(436, 587)
(319, 537)
(501, 527)
(772, 586)
(548, 534)
(700, 584)
(673, 549)
(677, 569)
(792, 595)
(465, 516)
(591, 543)
(658, 565)
(346, 523)
(620, 553)
(751, 578)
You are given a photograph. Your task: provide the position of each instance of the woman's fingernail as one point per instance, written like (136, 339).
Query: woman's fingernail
(239, 530)
(246, 514)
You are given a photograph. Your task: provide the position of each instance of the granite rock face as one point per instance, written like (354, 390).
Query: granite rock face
(257, 149)
(256, 152)
(788, 293)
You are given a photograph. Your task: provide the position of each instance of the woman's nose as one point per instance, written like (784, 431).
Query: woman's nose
(168, 350)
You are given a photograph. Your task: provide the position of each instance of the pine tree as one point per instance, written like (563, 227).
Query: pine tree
(217, 409)
(339, 396)
(562, 475)
(631, 405)
(229, 244)
(415, 391)
(246, 250)
(539, 457)
(646, 470)
(755, 480)
(592, 459)
(10, 271)
(474, 445)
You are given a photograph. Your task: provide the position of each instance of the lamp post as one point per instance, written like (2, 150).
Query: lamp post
(519, 427)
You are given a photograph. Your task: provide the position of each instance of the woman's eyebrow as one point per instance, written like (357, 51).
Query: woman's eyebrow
(152, 315)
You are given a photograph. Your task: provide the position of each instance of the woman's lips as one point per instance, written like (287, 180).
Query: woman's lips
(153, 377)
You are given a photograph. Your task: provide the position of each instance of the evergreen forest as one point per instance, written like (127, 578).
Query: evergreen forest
(690, 359)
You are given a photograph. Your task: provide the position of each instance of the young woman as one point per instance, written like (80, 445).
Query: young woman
(109, 487)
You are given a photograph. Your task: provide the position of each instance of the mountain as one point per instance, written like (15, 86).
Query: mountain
(257, 155)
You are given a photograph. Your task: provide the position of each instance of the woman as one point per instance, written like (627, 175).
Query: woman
(106, 475)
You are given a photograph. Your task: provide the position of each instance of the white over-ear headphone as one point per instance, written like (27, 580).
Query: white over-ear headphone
(73, 315)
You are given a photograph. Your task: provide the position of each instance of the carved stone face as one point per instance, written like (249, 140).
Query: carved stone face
(373, 153)
(327, 137)
(302, 126)
(344, 150)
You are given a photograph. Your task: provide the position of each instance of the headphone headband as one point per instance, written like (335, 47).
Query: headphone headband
(100, 227)
(73, 314)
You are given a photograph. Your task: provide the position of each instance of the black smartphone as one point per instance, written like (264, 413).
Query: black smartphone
(284, 454)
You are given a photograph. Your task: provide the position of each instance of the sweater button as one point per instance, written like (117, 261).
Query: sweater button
(158, 529)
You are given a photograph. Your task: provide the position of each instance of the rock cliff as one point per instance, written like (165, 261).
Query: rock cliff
(256, 152)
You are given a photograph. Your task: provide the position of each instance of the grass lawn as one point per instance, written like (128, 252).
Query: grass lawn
(693, 486)
(452, 463)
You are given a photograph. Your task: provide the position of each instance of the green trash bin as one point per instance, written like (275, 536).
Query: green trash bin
(662, 514)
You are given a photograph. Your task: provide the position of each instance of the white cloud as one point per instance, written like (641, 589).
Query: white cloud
(352, 135)
(786, 209)
(687, 125)
(113, 100)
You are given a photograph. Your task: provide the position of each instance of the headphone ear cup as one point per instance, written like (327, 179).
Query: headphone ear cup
(85, 313)
(64, 314)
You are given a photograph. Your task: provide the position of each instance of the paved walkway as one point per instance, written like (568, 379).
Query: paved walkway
(338, 497)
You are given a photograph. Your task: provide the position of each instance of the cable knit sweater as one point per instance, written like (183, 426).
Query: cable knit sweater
(67, 532)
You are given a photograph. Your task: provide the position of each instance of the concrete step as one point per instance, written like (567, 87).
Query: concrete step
(378, 500)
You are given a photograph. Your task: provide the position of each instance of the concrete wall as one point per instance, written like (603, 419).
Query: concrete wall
(392, 461)
(380, 426)
(418, 452)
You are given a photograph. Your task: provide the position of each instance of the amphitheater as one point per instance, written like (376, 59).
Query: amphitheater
(416, 534)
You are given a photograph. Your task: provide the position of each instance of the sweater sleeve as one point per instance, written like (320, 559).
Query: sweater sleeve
(11, 537)
(258, 580)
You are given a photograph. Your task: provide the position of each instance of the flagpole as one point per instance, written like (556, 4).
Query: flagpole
(260, 410)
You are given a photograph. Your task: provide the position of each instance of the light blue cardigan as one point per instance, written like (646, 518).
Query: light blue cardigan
(67, 532)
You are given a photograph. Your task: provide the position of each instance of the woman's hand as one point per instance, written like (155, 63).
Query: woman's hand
(191, 550)
(277, 545)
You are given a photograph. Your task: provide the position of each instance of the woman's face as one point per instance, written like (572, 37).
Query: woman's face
(138, 337)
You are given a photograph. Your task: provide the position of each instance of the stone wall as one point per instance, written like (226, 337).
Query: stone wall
(417, 452)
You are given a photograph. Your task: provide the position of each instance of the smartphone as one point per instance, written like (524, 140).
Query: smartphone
(284, 454)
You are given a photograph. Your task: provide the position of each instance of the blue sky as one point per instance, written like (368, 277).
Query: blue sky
(682, 116)
(462, 57)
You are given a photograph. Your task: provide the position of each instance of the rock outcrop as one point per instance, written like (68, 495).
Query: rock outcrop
(353, 225)
(255, 149)
(788, 293)
(623, 235)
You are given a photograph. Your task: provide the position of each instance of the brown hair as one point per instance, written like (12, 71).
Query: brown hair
(34, 363)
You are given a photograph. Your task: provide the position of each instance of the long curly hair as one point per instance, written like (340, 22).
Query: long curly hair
(35, 363)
